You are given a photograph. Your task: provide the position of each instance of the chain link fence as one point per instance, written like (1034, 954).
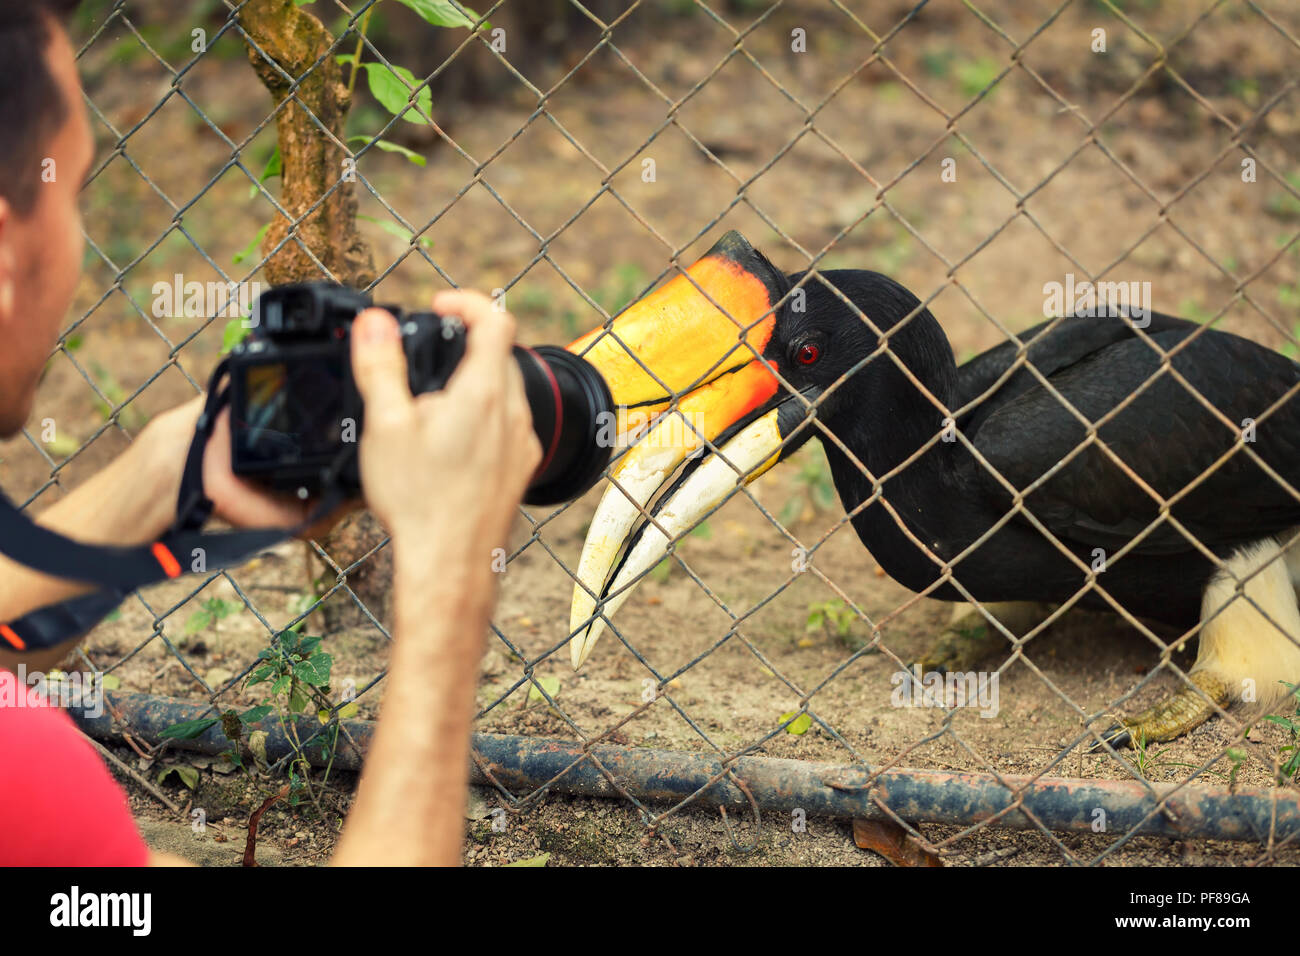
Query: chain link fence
(974, 151)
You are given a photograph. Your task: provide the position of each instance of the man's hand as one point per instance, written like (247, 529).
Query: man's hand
(235, 500)
(445, 472)
(451, 464)
(133, 501)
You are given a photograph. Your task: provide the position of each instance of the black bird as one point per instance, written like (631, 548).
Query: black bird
(1173, 512)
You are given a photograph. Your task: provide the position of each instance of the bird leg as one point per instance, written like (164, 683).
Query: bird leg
(1174, 716)
(969, 638)
(1249, 648)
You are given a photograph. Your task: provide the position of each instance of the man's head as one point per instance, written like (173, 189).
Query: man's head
(45, 154)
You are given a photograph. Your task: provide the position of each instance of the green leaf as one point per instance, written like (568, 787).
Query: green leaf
(189, 729)
(798, 725)
(255, 714)
(388, 147)
(791, 510)
(702, 530)
(387, 86)
(188, 775)
(347, 710)
(532, 861)
(823, 495)
(274, 167)
(235, 332)
(443, 13)
(396, 229)
(219, 608)
(315, 670)
(816, 620)
(251, 248)
(62, 445)
(281, 685)
(198, 621)
(549, 684)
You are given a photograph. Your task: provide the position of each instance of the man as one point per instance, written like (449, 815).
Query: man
(473, 442)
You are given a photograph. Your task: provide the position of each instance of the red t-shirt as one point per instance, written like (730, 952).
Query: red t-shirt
(59, 806)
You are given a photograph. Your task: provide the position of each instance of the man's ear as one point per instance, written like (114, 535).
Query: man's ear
(8, 263)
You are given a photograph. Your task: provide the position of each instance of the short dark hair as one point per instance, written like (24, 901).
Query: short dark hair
(32, 109)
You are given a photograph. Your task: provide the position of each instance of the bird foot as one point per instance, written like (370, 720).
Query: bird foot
(958, 649)
(970, 639)
(1174, 716)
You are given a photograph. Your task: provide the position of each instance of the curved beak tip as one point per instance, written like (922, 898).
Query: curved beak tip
(700, 333)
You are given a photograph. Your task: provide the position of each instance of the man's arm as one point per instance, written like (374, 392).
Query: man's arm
(126, 503)
(133, 501)
(445, 473)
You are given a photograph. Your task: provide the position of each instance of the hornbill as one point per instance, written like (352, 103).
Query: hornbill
(1159, 478)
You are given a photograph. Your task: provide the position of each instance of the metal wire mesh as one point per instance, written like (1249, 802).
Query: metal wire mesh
(522, 694)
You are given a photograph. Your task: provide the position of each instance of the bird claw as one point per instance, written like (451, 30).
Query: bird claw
(1172, 717)
(1117, 735)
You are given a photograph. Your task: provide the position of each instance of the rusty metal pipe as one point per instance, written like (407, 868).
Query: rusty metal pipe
(523, 764)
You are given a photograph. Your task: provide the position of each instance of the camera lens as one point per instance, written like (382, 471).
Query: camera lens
(571, 405)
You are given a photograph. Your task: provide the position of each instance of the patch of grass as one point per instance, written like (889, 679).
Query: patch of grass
(974, 76)
(1289, 754)
(1290, 349)
(1192, 310)
(835, 619)
(621, 288)
(813, 485)
(1282, 204)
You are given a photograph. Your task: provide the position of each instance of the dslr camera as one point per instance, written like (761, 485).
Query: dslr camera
(296, 416)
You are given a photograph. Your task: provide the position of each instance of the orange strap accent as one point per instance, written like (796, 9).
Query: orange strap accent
(8, 634)
(166, 560)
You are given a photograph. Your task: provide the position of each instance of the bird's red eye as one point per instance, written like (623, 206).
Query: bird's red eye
(808, 353)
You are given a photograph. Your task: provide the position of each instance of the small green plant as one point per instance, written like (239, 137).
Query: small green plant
(1282, 204)
(1193, 310)
(114, 396)
(1144, 759)
(1290, 768)
(833, 617)
(299, 672)
(660, 572)
(616, 293)
(213, 610)
(813, 486)
(974, 76)
(1290, 349)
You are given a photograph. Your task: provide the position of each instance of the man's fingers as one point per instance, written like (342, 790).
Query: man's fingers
(379, 366)
(489, 334)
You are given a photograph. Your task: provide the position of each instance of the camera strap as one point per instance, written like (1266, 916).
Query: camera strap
(117, 571)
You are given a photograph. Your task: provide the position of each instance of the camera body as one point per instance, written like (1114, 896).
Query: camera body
(296, 415)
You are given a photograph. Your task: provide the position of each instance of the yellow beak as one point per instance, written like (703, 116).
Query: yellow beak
(683, 365)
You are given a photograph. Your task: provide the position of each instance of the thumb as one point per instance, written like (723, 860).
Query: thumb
(379, 365)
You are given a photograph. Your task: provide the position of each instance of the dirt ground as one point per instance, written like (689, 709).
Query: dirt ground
(1087, 216)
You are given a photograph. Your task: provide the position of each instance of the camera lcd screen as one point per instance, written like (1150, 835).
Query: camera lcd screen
(291, 412)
